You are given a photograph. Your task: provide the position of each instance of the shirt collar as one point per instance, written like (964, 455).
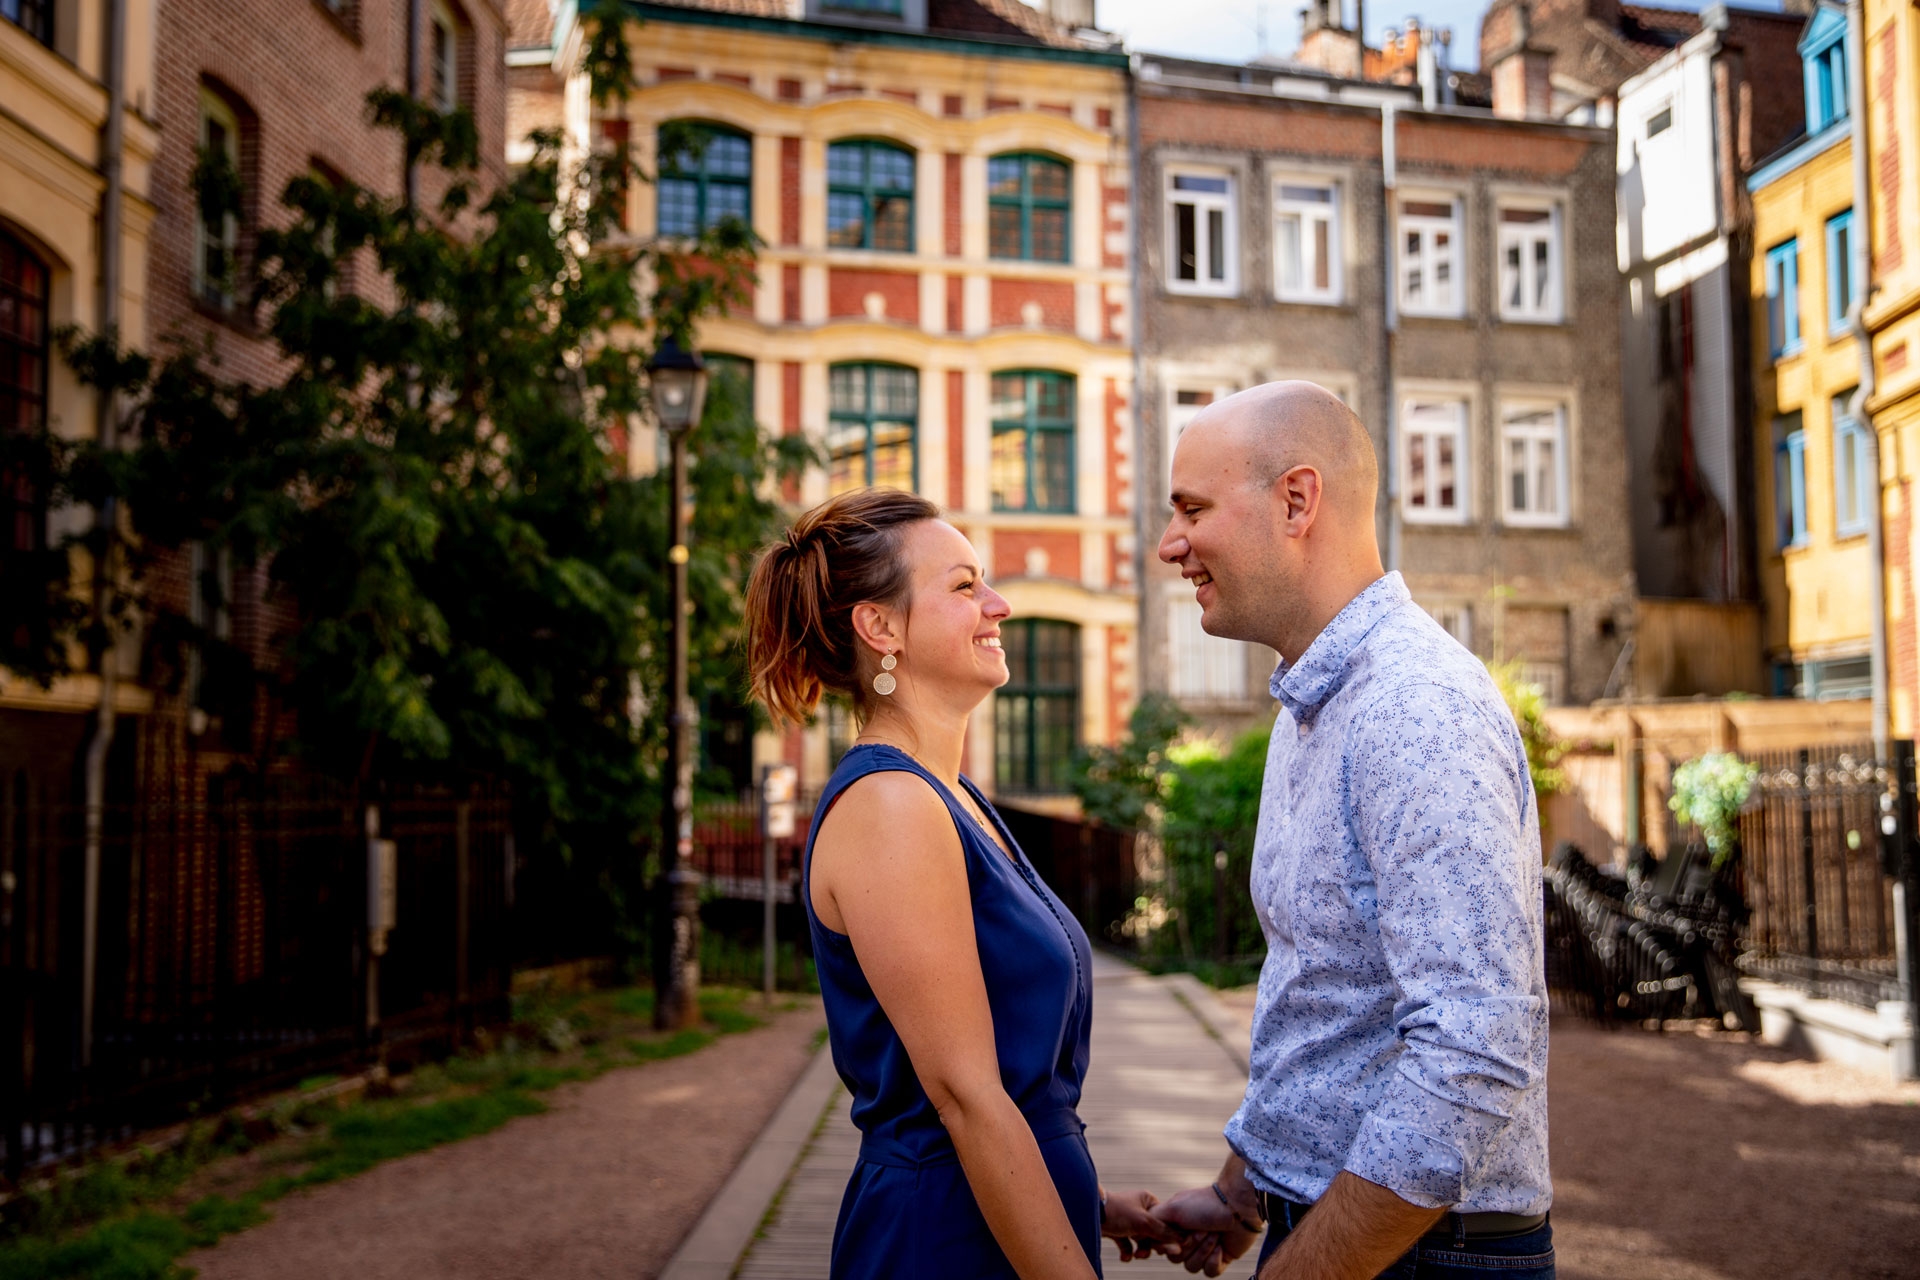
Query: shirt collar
(1305, 686)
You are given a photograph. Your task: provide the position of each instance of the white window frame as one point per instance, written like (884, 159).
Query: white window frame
(1530, 437)
(1180, 415)
(214, 109)
(1204, 202)
(1432, 432)
(1202, 667)
(1456, 619)
(1429, 227)
(442, 18)
(1524, 236)
(1309, 212)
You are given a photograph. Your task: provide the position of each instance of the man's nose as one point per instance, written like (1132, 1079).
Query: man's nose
(1173, 545)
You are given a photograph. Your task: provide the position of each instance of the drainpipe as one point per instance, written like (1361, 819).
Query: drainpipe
(106, 517)
(1141, 523)
(1391, 463)
(413, 90)
(1861, 245)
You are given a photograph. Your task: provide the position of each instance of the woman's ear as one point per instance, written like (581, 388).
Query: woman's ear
(873, 626)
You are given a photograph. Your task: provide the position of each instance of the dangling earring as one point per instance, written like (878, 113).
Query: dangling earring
(884, 684)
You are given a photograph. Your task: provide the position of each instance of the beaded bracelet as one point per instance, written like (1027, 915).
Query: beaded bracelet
(1255, 1227)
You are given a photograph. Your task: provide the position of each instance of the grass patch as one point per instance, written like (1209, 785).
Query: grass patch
(124, 1220)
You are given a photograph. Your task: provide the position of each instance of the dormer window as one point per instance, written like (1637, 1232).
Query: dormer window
(911, 14)
(1823, 55)
(866, 8)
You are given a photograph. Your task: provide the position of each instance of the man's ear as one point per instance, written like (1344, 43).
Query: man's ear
(874, 627)
(1298, 493)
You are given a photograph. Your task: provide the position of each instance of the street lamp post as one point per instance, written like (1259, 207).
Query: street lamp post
(679, 382)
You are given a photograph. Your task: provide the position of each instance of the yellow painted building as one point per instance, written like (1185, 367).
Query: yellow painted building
(1814, 468)
(943, 300)
(1891, 49)
(54, 104)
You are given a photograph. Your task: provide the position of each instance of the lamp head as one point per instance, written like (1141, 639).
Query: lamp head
(679, 379)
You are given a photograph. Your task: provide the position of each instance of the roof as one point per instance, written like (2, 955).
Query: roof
(1008, 20)
(529, 24)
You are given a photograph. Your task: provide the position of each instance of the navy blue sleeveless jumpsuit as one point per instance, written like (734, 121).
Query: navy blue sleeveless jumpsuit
(908, 1211)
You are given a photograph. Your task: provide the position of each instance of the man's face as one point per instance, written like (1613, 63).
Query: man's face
(1221, 536)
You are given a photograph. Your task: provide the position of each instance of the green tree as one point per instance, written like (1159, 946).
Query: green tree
(1528, 703)
(433, 485)
(1122, 785)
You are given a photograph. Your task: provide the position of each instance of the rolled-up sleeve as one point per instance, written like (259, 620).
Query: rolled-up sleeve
(1444, 809)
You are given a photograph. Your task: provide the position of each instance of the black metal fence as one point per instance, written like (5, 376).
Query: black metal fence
(1092, 867)
(233, 953)
(1809, 901)
(1818, 868)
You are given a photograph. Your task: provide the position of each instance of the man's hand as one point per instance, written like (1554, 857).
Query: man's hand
(1126, 1217)
(1216, 1236)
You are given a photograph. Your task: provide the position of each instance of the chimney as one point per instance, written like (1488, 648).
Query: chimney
(1522, 83)
(1071, 14)
(1326, 43)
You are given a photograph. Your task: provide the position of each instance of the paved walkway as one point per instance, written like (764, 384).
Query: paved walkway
(1161, 1086)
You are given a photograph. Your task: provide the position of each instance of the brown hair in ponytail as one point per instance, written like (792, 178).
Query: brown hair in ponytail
(800, 599)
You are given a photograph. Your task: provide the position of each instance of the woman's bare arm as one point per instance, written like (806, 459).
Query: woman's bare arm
(888, 871)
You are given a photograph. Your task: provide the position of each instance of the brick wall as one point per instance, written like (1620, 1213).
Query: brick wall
(848, 291)
(1008, 300)
(1061, 549)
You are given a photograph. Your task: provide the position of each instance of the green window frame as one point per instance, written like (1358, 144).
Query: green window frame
(1029, 207)
(869, 196)
(706, 174)
(873, 427)
(1036, 714)
(1033, 424)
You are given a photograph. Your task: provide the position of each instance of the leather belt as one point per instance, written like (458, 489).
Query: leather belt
(1474, 1226)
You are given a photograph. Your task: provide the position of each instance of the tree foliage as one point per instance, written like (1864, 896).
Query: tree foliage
(1123, 785)
(1528, 703)
(435, 481)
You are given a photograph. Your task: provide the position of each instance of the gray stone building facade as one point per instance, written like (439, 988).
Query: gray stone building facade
(1450, 272)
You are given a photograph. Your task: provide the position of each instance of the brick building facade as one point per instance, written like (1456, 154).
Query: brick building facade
(1482, 354)
(942, 301)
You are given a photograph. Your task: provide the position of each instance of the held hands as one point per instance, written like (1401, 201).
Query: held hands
(1128, 1219)
(1212, 1232)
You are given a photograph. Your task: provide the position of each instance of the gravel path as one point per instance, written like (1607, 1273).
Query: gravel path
(605, 1183)
(1706, 1156)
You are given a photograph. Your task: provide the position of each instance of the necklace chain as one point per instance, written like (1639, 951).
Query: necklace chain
(960, 794)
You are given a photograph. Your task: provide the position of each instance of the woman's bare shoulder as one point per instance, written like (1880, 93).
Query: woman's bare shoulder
(886, 803)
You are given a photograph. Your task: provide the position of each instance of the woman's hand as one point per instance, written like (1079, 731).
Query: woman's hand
(1126, 1218)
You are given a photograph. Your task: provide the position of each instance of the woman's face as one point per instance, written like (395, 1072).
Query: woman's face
(952, 624)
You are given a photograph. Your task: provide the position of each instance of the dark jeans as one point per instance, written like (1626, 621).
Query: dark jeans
(1435, 1256)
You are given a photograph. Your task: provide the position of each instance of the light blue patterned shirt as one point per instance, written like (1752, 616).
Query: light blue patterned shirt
(1401, 1027)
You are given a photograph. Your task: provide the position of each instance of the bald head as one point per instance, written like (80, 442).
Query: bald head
(1278, 426)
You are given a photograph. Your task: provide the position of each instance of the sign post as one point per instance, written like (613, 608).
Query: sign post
(778, 783)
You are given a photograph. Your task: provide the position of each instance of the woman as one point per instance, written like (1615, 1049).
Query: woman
(957, 985)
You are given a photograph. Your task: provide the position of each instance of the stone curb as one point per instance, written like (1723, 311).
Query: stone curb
(713, 1249)
(1207, 1010)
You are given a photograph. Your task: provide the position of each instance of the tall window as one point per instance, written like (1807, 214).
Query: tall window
(1824, 58)
(1842, 289)
(443, 58)
(216, 239)
(1533, 451)
(24, 293)
(1530, 285)
(1783, 298)
(1433, 436)
(1200, 665)
(1430, 282)
(1032, 441)
(872, 417)
(869, 196)
(706, 174)
(1186, 406)
(1029, 201)
(1036, 715)
(1790, 480)
(35, 15)
(1306, 241)
(1200, 233)
(1853, 470)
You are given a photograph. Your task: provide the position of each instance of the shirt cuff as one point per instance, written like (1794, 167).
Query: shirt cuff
(1419, 1168)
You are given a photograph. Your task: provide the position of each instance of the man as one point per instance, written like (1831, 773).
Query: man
(1396, 1114)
